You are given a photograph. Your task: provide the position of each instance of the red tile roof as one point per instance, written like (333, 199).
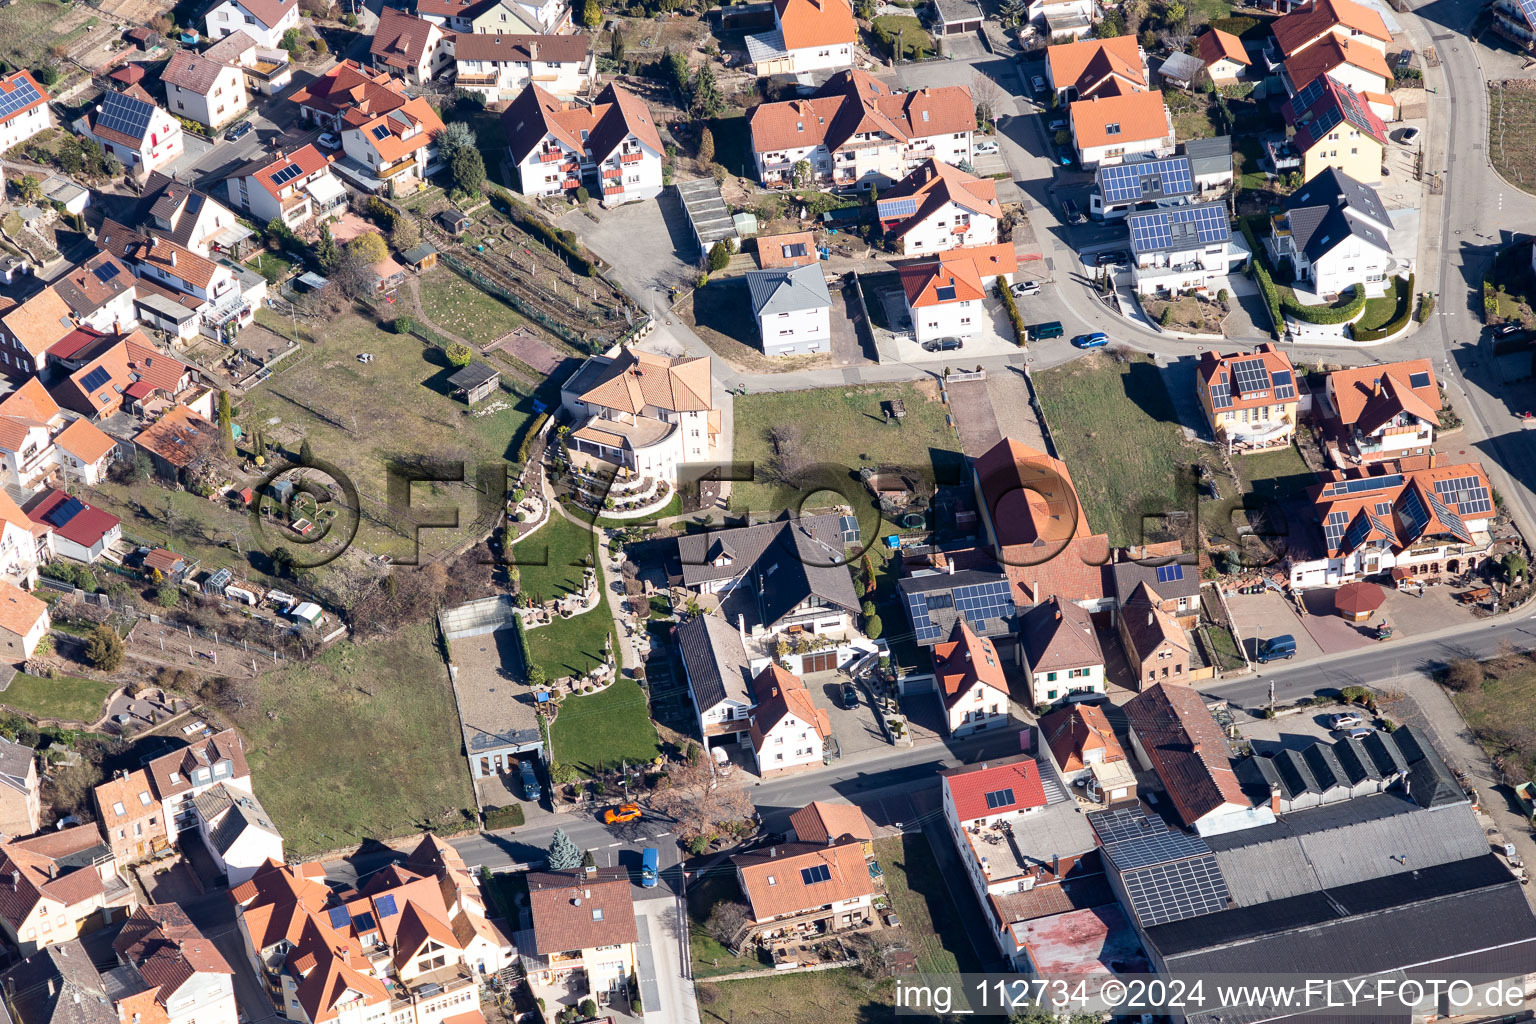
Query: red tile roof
(1305, 24)
(777, 880)
(177, 436)
(401, 41)
(86, 527)
(809, 23)
(1315, 123)
(8, 84)
(614, 116)
(1216, 370)
(307, 159)
(268, 12)
(1029, 496)
(933, 185)
(1186, 748)
(964, 660)
(968, 788)
(1080, 735)
(957, 275)
(192, 72)
(1371, 396)
(1398, 503)
(350, 85)
(19, 610)
(780, 694)
(520, 48)
(1321, 58)
(167, 950)
(581, 910)
(819, 822)
(1068, 61)
(855, 102)
(1130, 117)
(1216, 45)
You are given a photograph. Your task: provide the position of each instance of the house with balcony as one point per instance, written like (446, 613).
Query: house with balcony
(296, 188)
(793, 310)
(857, 132)
(414, 48)
(784, 585)
(583, 935)
(1415, 517)
(1026, 847)
(169, 971)
(1249, 398)
(1072, 19)
(1121, 127)
(939, 207)
(1516, 22)
(130, 126)
(807, 36)
(642, 413)
(1333, 233)
(347, 86)
(610, 145)
(25, 106)
(393, 149)
(1335, 127)
(183, 775)
(490, 17)
(264, 21)
(499, 65)
(1122, 188)
(131, 816)
(24, 545)
(946, 294)
(190, 218)
(935, 598)
(222, 294)
(805, 889)
(59, 884)
(267, 70)
(120, 374)
(719, 675)
(1062, 656)
(100, 294)
(203, 90)
(30, 421)
(968, 678)
(1084, 745)
(1096, 67)
(1181, 248)
(1383, 412)
(1353, 64)
(1319, 20)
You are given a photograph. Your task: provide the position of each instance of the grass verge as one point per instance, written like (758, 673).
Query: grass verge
(457, 306)
(69, 698)
(930, 921)
(600, 730)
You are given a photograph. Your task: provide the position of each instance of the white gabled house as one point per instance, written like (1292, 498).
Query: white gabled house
(25, 103)
(792, 308)
(1334, 233)
(203, 90)
(1178, 248)
(788, 730)
(610, 146)
(499, 65)
(946, 295)
(264, 21)
(297, 188)
(939, 207)
(130, 126)
(808, 35)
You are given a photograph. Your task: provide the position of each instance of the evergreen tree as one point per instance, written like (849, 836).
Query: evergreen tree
(327, 252)
(226, 426)
(104, 648)
(704, 95)
(707, 147)
(306, 453)
(563, 853)
(468, 169)
(591, 14)
(719, 257)
(617, 44)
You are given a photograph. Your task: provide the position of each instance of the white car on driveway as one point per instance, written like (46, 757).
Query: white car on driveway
(985, 147)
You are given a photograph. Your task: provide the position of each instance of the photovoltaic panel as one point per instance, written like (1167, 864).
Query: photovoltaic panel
(1528, 8)
(1358, 531)
(64, 511)
(1285, 387)
(1412, 509)
(1451, 520)
(1221, 396)
(1309, 94)
(1170, 573)
(1149, 179)
(923, 626)
(17, 98)
(1134, 839)
(95, 379)
(1179, 227)
(339, 917)
(1418, 380)
(1251, 375)
(105, 272)
(1174, 892)
(999, 798)
(815, 873)
(1467, 493)
(904, 207)
(287, 174)
(1333, 528)
(386, 906)
(126, 114)
(380, 131)
(1363, 484)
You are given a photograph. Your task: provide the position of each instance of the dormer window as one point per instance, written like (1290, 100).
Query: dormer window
(1112, 129)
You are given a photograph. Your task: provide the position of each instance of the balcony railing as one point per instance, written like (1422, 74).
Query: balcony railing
(551, 156)
(613, 190)
(631, 158)
(612, 173)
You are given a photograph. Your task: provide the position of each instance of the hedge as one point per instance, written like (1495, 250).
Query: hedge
(1399, 319)
(558, 240)
(1019, 333)
(527, 443)
(498, 818)
(1326, 314)
(1261, 274)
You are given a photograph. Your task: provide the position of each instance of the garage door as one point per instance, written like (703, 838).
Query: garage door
(824, 662)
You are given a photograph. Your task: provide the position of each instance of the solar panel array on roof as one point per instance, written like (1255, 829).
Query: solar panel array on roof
(1412, 509)
(1358, 531)
(1157, 844)
(64, 511)
(17, 98)
(1467, 493)
(1418, 380)
(1285, 386)
(815, 873)
(1528, 8)
(123, 113)
(1221, 394)
(1309, 94)
(1251, 375)
(95, 379)
(1174, 892)
(1150, 179)
(850, 527)
(1450, 519)
(364, 922)
(999, 798)
(1361, 484)
(105, 272)
(1180, 227)
(380, 131)
(1334, 526)
(906, 206)
(339, 917)
(1170, 573)
(287, 174)
(386, 906)
(976, 602)
(945, 293)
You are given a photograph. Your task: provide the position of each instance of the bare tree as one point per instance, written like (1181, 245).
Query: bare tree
(789, 458)
(988, 97)
(726, 922)
(700, 806)
(1463, 674)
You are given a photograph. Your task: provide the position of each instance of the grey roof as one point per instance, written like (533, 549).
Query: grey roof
(472, 375)
(1468, 915)
(421, 252)
(777, 565)
(943, 617)
(1356, 761)
(1128, 574)
(1331, 207)
(1181, 67)
(1343, 843)
(245, 813)
(706, 210)
(788, 290)
(58, 985)
(1210, 156)
(958, 10)
(1057, 635)
(15, 764)
(1430, 783)
(716, 661)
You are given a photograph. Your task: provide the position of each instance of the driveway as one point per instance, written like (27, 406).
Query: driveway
(666, 995)
(994, 338)
(1332, 633)
(1260, 616)
(856, 729)
(648, 246)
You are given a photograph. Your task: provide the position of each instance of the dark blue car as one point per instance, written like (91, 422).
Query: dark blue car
(1098, 339)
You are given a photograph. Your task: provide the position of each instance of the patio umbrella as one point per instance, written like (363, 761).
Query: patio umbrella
(1358, 600)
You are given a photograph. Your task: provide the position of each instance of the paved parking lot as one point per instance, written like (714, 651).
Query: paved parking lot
(1258, 616)
(856, 729)
(1288, 732)
(995, 338)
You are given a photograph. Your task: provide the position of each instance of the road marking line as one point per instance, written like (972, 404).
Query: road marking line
(661, 835)
(612, 845)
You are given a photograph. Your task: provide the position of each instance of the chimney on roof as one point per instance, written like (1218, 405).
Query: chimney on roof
(1196, 746)
(533, 50)
(589, 870)
(1150, 617)
(51, 988)
(173, 257)
(53, 870)
(15, 879)
(1056, 864)
(741, 624)
(1376, 386)
(1058, 611)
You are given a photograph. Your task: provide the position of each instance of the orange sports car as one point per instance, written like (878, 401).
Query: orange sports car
(621, 813)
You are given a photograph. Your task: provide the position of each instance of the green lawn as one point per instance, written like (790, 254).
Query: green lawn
(1119, 435)
(568, 647)
(362, 742)
(841, 430)
(605, 728)
(551, 560)
(1267, 478)
(671, 508)
(715, 885)
(1380, 312)
(460, 308)
(914, 40)
(1249, 149)
(68, 698)
(930, 921)
(1226, 647)
(820, 997)
(275, 267)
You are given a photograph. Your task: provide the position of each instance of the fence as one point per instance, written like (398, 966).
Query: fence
(133, 614)
(485, 284)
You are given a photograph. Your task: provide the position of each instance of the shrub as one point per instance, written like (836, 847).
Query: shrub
(1261, 274)
(1399, 319)
(403, 324)
(458, 354)
(1326, 314)
(582, 195)
(1463, 674)
(1166, 316)
(719, 257)
(526, 446)
(104, 648)
(168, 596)
(1426, 307)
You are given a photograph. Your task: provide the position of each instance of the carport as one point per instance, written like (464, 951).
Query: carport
(707, 213)
(957, 17)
